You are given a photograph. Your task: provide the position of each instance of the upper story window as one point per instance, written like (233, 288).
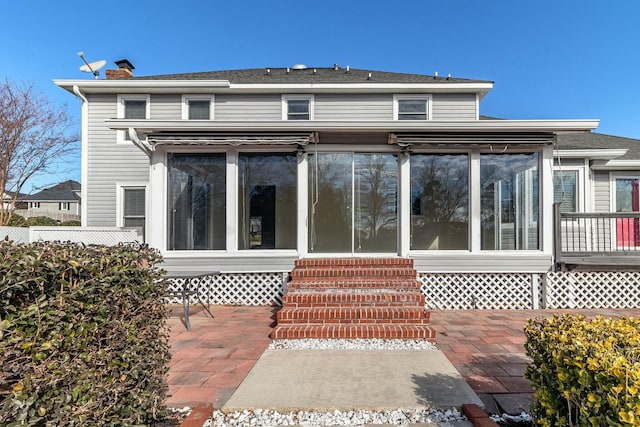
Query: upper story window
(197, 107)
(297, 107)
(411, 107)
(133, 107)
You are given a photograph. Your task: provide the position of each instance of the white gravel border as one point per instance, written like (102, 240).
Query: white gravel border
(270, 418)
(351, 344)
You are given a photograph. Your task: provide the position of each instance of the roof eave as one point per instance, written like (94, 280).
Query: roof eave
(183, 86)
(596, 153)
(616, 165)
(148, 126)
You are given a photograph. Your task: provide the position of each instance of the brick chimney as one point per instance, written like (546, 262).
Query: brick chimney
(124, 71)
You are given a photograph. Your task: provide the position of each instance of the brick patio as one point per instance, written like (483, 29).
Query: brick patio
(485, 346)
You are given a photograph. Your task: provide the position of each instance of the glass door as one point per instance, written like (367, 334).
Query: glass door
(353, 203)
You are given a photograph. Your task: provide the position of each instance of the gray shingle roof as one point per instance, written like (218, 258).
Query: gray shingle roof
(309, 75)
(591, 140)
(63, 192)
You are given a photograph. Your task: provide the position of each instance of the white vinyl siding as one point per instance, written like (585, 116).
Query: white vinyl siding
(165, 107)
(248, 107)
(454, 106)
(107, 162)
(376, 107)
(601, 189)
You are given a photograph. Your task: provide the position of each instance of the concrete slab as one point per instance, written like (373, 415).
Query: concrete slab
(322, 380)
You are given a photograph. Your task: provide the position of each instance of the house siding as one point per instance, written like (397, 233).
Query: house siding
(354, 107)
(248, 107)
(454, 106)
(108, 163)
(601, 191)
(166, 107)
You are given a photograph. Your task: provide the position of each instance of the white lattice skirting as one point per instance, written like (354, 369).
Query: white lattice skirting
(235, 289)
(593, 289)
(449, 291)
(554, 290)
(462, 291)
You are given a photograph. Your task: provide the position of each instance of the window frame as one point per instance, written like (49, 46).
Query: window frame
(121, 109)
(121, 187)
(428, 98)
(285, 106)
(185, 105)
(580, 185)
(64, 206)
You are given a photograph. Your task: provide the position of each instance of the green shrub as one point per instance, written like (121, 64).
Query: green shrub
(71, 223)
(40, 221)
(83, 338)
(17, 221)
(585, 373)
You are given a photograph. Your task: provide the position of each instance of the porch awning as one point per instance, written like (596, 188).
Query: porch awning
(471, 139)
(233, 139)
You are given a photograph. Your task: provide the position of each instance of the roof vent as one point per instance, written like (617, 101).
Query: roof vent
(299, 67)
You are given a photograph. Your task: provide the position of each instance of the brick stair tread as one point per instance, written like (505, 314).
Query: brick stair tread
(350, 313)
(381, 330)
(354, 272)
(354, 284)
(353, 262)
(358, 297)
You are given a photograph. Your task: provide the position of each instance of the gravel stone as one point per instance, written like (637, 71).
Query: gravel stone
(272, 418)
(352, 344)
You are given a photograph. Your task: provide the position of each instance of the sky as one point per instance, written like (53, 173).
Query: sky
(549, 59)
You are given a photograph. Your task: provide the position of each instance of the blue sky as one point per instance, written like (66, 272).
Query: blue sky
(549, 59)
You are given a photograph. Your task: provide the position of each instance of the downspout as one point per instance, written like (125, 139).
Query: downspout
(83, 154)
(145, 147)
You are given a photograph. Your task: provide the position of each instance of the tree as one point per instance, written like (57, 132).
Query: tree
(34, 135)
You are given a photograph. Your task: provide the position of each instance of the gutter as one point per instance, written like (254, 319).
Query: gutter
(144, 146)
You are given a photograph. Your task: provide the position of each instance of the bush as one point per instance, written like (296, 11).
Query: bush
(83, 338)
(585, 373)
(71, 223)
(40, 221)
(17, 221)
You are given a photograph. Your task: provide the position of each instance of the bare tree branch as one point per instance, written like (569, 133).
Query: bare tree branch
(34, 135)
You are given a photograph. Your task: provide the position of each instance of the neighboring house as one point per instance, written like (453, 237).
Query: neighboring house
(245, 171)
(61, 202)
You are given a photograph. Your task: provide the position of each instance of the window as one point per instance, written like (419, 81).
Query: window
(411, 107)
(565, 190)
(34, 205)
(132, 107)
(133, 208)
(135, 109)
(197, 107)
(509, 201)
(439, 201)
(267, 201)
(297, 107)
(63, 206)
(197, 201)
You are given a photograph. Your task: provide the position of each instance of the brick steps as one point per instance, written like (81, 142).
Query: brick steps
(358, 282)
(382, 331)
(353, 298)
(353, 315)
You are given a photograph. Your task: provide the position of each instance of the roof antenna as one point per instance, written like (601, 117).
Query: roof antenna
(92, 67)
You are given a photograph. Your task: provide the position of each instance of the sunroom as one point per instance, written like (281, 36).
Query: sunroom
(474, 197)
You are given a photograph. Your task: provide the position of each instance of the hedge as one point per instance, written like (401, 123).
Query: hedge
(83, 338)
(585, 373)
